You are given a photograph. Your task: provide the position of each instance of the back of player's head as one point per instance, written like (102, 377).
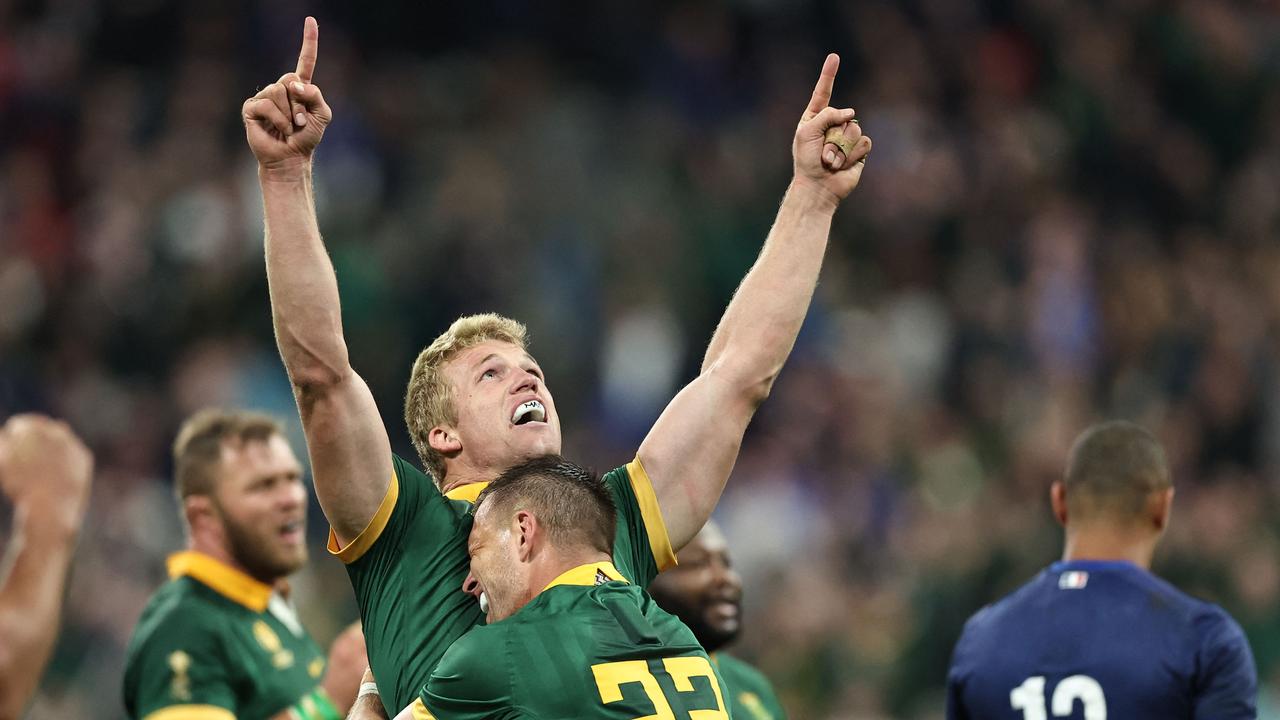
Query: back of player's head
(428, 401)
(570, 502)
(1112, 470)
(198, 448)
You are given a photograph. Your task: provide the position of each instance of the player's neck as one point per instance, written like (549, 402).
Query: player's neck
(555, 563)
(459, 473)
(1110, 544)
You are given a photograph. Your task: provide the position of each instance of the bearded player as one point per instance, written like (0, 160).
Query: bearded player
(477, 403)
(705, 592)
(221, 639)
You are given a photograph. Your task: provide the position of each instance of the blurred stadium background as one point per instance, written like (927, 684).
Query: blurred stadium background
(1070, 213)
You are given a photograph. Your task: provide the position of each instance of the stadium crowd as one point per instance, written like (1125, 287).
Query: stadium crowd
(1070, 214)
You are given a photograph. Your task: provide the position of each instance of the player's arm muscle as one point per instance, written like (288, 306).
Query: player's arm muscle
(350, 451)
(690, 452)
(349, 448)
(32, 576)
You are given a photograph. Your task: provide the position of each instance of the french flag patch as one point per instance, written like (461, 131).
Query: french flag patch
(1073, 580)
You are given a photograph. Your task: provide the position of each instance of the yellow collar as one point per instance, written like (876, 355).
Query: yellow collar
(468, 492)
(590, 574)
(221, 578)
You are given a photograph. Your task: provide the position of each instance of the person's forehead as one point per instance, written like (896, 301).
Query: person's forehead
(477, 355)
(267, 456)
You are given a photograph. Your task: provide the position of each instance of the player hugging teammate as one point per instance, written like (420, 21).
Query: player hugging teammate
(506, 581)
(477, 406)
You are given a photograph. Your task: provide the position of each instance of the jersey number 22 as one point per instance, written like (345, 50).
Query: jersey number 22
(610, 677)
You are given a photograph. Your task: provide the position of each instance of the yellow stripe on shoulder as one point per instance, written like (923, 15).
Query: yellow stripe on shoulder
(192, 712)
(418, 711)
(367, 537)
(655, 527)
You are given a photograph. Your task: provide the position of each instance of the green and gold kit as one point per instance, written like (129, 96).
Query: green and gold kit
(216, 644)
(751, 695)
(408, 565)
(590, 645)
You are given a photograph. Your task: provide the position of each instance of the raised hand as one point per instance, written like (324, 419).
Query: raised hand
(285, 121)
(829, 150)
(45, 467)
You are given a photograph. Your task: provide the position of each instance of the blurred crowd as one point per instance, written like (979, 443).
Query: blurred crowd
(1070, 213)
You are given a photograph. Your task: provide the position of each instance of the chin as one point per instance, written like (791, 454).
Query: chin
(544, 444)
(291, 562)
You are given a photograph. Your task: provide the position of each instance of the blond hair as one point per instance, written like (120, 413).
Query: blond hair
(429, 399)
(198, 449)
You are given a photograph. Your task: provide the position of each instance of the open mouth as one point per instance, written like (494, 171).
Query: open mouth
(292, 531)
(529, 412)
(725, 609)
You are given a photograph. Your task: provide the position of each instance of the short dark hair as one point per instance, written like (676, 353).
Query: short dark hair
(1112, 470)
(198, 448)
(569, 501)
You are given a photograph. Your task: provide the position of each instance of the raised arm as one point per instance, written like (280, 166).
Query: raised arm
(691, 450)
(348, 444)
(45, 471)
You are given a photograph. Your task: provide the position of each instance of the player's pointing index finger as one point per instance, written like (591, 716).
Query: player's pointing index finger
(310, 44)
(822, 91)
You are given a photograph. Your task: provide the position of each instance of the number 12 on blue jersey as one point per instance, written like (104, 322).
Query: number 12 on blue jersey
(1029, 698)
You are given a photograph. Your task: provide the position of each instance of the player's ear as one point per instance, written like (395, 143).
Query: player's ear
(1058, 499)
(444, 440)
(1161, 507)
(199, 511)
(527, 527)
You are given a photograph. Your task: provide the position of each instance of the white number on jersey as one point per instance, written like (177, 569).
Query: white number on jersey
(1029, 698)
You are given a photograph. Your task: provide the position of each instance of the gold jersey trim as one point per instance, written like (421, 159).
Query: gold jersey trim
(355, 549)
(221, 578)
(468, 492)
(418, 711)
(192, 712)
(655, 527)
(589, 574)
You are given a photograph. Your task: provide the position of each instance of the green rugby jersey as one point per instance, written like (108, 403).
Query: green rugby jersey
(590, 645)
(751, 695)
(407, 567)
(212, 645)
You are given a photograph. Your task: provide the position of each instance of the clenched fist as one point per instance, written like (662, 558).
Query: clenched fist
(45, 468)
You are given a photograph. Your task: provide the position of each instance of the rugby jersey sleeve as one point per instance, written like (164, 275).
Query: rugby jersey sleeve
(406, 569)
(641, 546)
(1226, 685)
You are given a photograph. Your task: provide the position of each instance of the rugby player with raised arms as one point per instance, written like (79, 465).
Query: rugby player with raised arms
(477, 403)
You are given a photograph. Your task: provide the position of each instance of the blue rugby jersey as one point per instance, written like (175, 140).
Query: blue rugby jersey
(1088, 640)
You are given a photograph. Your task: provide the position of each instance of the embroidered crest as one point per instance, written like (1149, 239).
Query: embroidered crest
(270, 642)
(180, 686)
